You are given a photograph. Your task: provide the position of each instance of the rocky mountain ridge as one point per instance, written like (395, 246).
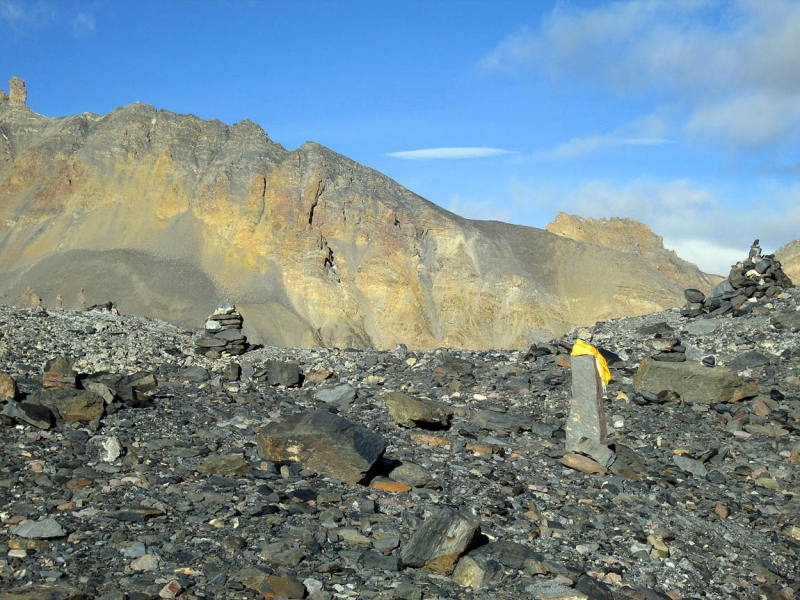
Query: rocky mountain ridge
(167, 214)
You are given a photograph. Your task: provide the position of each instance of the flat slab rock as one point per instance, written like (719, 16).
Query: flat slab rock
(694, 382)
(323, 442)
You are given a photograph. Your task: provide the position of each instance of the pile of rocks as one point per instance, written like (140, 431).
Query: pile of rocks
(755, 277)
(223, 333)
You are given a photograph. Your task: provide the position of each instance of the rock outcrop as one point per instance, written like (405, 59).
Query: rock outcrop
(789, 257)
(167, 214)
(632, 237)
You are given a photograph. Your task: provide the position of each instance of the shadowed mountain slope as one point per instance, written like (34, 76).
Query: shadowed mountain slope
(166, 214)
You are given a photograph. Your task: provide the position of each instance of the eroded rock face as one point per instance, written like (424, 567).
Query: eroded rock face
(789, 256)
(632, 237)
(17, 94)
(168, 213)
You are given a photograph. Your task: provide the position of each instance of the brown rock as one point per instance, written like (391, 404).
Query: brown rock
(8, 388)
(583, 464)
(413, 412)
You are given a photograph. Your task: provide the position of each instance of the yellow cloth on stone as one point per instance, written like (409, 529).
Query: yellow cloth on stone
(581, 348)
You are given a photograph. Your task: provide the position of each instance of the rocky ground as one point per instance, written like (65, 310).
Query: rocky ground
(168, 494)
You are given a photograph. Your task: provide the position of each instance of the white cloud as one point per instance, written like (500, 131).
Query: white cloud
(83, 25)
(693, 220)
(448, 153)
(733, 66)
(484, 210)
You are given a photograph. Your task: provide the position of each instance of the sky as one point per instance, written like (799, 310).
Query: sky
(681, 114)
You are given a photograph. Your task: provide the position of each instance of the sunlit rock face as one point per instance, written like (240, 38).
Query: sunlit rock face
(166, 214)
(633, 237)
(789, 256)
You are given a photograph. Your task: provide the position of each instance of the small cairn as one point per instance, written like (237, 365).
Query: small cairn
(223, 333)
(755, 277)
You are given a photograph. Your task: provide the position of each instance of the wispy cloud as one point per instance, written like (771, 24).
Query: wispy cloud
(83, 25)
(21, 16)
(732, 67)
(449, 153)
(693, 219)
(578, 147)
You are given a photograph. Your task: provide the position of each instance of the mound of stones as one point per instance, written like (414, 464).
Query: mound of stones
(755, 277)
(223, 333)
(398, 474)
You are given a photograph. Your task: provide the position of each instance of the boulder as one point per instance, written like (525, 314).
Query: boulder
(441, 540)
(283, 373)
(413, 412)
(693, 382)
(8, 387)
(323, 442)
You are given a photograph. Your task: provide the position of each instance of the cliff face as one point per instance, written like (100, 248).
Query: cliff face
(167, 214)
(633, 237)
(789, 255)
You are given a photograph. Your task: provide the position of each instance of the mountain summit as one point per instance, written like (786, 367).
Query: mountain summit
(166, 214)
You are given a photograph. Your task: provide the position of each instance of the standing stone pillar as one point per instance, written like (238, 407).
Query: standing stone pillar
(586, 424)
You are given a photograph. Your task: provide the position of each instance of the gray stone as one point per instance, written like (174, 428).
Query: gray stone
(414, 475)
(693, 466)
(748, 360)
(693, 295)
(226, 464)
(498, 421)
(587, 418)
(337, 395)
(210, 342)
(786, 321)
(283, 373)
(39, 530)
(194, 373)
(599, 452)
(488, 563)
(323, 442)
(101, 389)
(441, 540)
(51, 591)
(693, 382)
(413, 412)
(702, 326)
(723, 287)
(106, 448)
(33, 414)
(230, 335)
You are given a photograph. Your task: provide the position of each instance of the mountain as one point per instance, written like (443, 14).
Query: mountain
(633, 237)
(167, 214)
(789, 255)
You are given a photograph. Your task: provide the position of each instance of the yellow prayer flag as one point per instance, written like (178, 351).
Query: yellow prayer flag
(581, 348)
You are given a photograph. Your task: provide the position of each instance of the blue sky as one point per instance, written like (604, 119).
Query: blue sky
(683, 114)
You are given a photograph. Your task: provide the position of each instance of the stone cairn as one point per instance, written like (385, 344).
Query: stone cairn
(755, 277)
(223, 333)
